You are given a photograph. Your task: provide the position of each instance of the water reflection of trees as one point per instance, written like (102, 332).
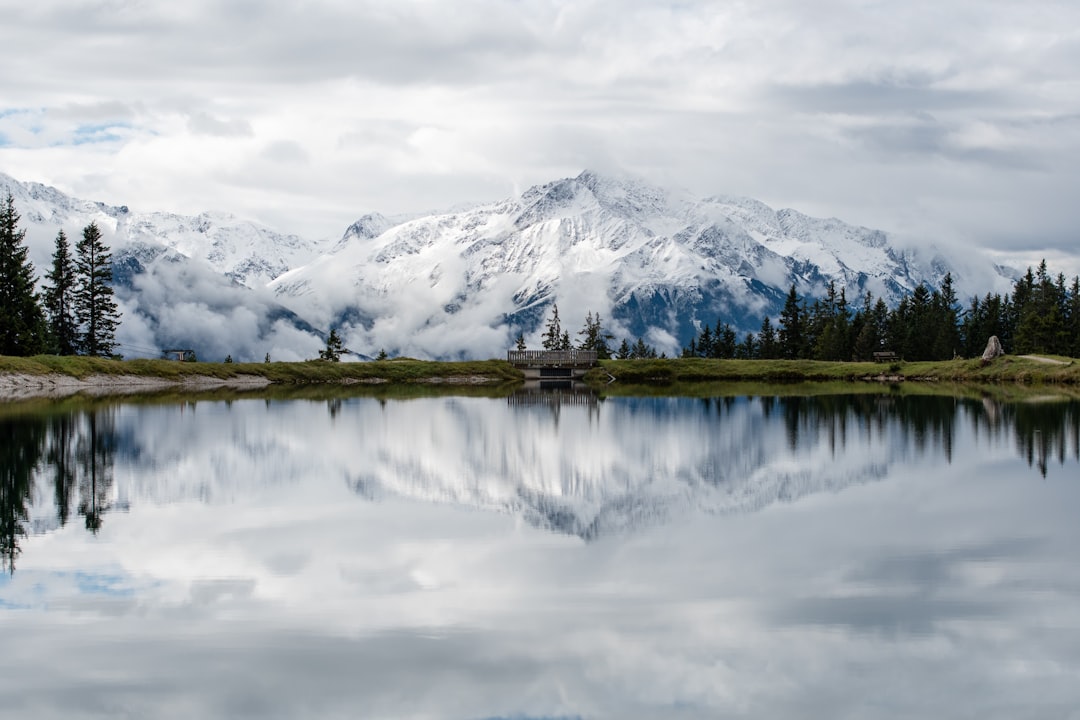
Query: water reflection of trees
(21, 445)
(74, 453)
(1042, 431)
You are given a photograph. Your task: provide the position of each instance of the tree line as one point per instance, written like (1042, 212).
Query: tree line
(75, 314)
(1041, 315)
(593, 337)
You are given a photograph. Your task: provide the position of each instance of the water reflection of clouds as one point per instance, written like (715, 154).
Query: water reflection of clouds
(264, 588)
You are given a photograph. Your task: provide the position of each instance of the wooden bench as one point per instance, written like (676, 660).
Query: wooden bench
(885, 356)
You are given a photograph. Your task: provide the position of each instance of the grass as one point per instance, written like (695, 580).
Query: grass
(690, 370)
(1009, 375)
(390, 371)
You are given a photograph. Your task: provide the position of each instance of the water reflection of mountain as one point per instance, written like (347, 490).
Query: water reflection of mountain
(566, 461)
(639, 460)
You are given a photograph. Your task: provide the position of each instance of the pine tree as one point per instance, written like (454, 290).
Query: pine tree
(623, 353)
(59, 300)
(519, 343)
(334, 348)
(724, 341)
(552, 337)
(792, 336)
(95, 308)
(22, 324)
(595, 337)
(767, 345)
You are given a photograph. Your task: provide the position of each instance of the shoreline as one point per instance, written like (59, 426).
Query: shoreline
(51, 377)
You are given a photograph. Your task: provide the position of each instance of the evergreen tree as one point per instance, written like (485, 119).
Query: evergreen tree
(552, 337)
(519, 343)
(642, 351)
(946, 343)
(334, 348)
(1074, 317)
(792, 327)
(595, 337)
(60, 300)
(768, 348)
(705, 345)
(22, 324)
(623, 353)
(725, 341)
(95, 308)
(564, 341)
(748, 348)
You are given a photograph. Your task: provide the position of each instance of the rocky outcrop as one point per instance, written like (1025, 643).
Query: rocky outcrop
(993, 349)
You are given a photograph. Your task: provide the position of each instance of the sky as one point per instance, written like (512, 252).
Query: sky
(953, 120)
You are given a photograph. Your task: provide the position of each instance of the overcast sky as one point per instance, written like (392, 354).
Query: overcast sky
(957, 120)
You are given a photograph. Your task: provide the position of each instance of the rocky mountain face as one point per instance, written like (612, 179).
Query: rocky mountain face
(654, 262)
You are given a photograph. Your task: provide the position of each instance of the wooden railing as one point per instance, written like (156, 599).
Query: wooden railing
(552, 358)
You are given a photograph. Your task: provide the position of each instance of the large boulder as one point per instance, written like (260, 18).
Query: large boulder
(993, 349)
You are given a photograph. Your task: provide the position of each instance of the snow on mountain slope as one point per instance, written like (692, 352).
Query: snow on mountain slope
(653, 262)
(191, 282)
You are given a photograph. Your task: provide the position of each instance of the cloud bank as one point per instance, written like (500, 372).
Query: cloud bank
(954, 120)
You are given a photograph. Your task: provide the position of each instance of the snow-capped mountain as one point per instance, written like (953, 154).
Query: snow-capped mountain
(182, 281)
(654, 262)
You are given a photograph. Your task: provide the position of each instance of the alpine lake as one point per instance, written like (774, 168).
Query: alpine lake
(541, 553)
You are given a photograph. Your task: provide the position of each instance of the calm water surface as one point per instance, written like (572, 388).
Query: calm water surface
(542, 556)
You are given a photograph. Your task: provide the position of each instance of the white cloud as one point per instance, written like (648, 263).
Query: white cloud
(953, 119)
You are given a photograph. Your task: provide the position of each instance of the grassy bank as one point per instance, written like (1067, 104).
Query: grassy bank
(1008, 369)
(389, 371)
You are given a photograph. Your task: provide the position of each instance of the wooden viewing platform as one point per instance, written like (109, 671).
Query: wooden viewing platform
(552, 363)
(552, 358)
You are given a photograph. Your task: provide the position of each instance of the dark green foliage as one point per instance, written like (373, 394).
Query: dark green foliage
(95, 454)
(552, 337)
(519, 343)
(768, 347)
(594, 337)
(642, 351)
(60, 463)
(59, 298)
(792, 336)
(228, 359)
(95, 308)
(1042, 316)
(382, 355)
(22, 443)
(22, 324)
(334, 348)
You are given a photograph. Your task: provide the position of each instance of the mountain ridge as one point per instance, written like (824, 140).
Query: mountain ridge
(654, 262)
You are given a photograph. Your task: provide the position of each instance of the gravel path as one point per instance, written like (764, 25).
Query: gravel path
(1048, 361)
(22, 387)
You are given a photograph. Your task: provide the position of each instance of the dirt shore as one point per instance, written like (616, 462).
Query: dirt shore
(22, 386)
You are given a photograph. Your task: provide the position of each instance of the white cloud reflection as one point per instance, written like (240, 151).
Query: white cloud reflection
(248, 578)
